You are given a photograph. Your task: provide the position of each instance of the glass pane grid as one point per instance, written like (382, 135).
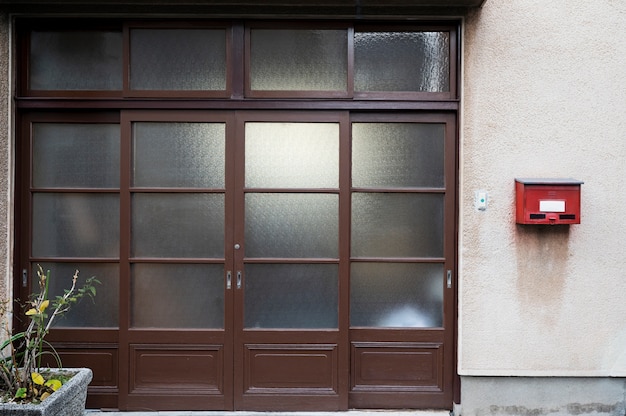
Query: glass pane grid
(76, 155)
(292, 225)
(291, 296)
(398, 155)
(179, 155)
(292, 155)
(177, 295)
(281, 60)
(298, 60)
(76, 60)
(402, 61)
(396, 295)
(102, 310)
(397, 225)
(170, 225)
(178, 59)
(79, 225)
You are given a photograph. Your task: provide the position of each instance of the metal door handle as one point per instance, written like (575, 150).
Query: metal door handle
(228, 280)
(238, 280)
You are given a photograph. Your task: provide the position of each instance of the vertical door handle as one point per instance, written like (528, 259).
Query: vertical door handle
(228, 280)
(449, 278)
(238, 280)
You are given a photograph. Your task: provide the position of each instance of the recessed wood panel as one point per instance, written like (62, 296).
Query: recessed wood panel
(172, 369)
(290, 368)
(102, 359)
(397, 366)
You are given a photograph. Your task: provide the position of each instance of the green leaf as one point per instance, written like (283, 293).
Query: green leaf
(20, 393)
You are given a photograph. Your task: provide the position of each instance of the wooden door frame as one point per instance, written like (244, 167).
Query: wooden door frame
(332, 343)
(95, 104)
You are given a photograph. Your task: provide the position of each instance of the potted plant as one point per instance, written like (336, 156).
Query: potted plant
(26, 387)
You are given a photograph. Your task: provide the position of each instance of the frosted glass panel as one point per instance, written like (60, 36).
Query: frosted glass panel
(179, 155)
(299, 60)
(177, 296)
(397, 225)
(177, 59)
(103, 311)
(291, 296)
(77, 60)
(401, 295)
(76, 155)
(76, 225)
(402, 61)
(292, 155)
(292, 225)
(397, 155)
(178, 225)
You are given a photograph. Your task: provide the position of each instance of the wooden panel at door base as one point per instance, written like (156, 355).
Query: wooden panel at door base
(290, 377)
(103, 361)
(176, 377)
(396, 375)
(310, 369)
(170, 369)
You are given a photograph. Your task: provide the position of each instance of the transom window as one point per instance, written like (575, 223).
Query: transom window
(257, 60)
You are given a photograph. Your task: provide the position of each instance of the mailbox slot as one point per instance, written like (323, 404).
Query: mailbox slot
(547, 201)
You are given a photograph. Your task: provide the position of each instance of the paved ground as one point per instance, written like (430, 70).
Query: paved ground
(213, 413)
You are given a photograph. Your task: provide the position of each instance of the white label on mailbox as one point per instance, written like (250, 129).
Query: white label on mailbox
(552, 206)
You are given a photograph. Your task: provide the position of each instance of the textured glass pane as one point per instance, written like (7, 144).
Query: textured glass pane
(397, 225)
(304, 60)
(292, 225)
(76, 155)
(76, 225)
(291, 296)
(178, 155)
(292, 155)
(82, 60)
(103, 310)
(402, 61)
(177, 225)
(397, 155)
(177, 296)
(396, 295)
(177, 59)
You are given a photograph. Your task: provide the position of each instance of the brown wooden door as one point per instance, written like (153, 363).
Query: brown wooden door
(402, 260)
(344, 260)
(291, 349)
(176, 351)
(252, 260)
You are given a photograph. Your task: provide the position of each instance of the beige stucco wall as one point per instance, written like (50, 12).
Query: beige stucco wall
(544, 95)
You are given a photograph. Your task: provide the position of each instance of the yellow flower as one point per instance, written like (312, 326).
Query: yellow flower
(30, 312)
(44, 305)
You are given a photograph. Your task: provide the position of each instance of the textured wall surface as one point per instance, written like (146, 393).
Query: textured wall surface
(5, 161)
(539, 396)
(544, 96)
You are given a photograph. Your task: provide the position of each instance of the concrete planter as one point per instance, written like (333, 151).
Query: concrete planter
(69, 400)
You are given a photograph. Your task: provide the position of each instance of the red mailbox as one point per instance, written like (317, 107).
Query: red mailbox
(547, 201)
